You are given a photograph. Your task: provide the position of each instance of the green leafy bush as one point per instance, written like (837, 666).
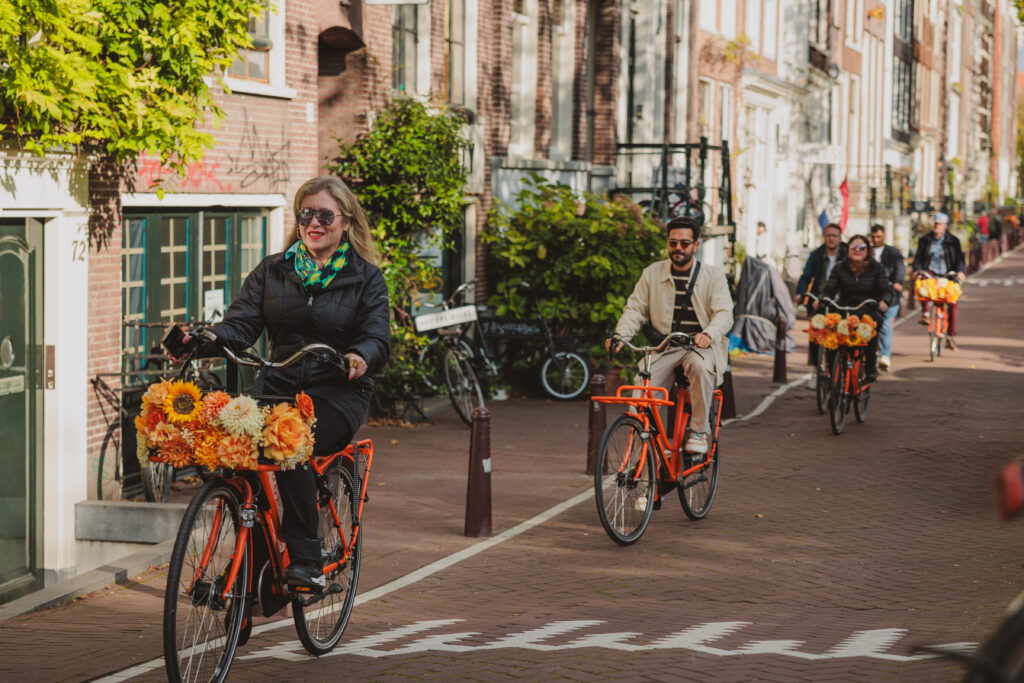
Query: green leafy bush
(408, 175)
(581, 256)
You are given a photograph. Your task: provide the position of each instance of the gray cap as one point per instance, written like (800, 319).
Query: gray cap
(940, 218)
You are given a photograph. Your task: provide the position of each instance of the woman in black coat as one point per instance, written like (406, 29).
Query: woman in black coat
(858, 278)
(324, 287)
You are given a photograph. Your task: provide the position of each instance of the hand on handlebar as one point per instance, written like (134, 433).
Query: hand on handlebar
(356, 366)
(613, 345)
(702, 340)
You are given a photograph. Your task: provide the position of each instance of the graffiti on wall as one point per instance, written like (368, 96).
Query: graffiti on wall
(258, 158)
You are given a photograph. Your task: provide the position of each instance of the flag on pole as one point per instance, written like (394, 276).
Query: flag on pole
(845, 191)
(823, 220)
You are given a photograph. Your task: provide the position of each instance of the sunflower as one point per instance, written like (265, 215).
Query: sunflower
(183, 402)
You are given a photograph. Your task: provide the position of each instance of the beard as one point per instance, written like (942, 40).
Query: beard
(680, 259)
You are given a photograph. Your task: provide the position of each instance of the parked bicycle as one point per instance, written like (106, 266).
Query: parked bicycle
(465, 352)
(681, 201)
(939, 292)
(1000, 658)
(118, 474)
(637, 464)
(848, 385)
(228, 555)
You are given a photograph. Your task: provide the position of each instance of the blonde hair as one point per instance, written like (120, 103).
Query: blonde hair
(359, 228)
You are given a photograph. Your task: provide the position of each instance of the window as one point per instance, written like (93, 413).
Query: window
(753, 28)
(403, 49)
(562, 61)
(172, 262)
(725, 112)
(709, 15)
(455, 51)
(770, 28)
(706, 107)
(254, 63)
(728, 18)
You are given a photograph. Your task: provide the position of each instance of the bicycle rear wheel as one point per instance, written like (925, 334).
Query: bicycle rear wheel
(697, 491)
(201, 627)
(624, 480)
(321, 624)
(565, 376)
(837, 403)
(109, 472)
(863, 396)
(156, 481)
(463, 387)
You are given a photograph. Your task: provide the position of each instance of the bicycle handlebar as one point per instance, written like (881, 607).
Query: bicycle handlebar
(835, 304)
(951, 275)
(686, 343)
(322, 351)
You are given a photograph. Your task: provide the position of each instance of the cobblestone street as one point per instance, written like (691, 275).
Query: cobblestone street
(823, 557)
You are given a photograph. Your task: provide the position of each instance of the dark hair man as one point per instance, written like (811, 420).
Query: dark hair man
(820, 263)
(940, 253)
(681, 294)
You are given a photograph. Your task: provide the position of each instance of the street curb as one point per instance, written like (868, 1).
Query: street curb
(118, 571)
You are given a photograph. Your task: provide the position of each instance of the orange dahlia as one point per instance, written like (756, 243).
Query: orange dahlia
(212, 404)
(237, 452)
(176, 452)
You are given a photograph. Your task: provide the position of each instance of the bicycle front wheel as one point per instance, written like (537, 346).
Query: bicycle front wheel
(624, 480)
(321, 624)
(109, 472)
(822, 384)
(156, 481)
(463, 387)
(565, 376)
(201, 626)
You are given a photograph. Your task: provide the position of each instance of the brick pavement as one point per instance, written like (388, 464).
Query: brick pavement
(887, 530)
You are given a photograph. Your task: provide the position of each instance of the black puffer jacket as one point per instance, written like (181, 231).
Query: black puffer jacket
(852, 289)
(350, 314)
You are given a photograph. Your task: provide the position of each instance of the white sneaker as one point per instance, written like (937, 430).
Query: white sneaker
(884, 363)
(697, 443)
(641, 504)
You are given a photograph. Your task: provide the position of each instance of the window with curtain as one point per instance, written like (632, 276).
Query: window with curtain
(254, 63)
(403, 49)
(455, 51)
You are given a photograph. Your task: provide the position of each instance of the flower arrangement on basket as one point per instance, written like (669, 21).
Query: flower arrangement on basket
(180, 426)
(938, 289)
(832, 330)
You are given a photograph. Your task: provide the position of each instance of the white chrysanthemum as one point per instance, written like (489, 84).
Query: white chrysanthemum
(864, 331)
(843, 328)
(242, 417)
(818, 322)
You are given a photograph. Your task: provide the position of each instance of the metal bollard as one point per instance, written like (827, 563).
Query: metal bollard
(478, 488)
(728, 396)
(596, 421)
(779, 370)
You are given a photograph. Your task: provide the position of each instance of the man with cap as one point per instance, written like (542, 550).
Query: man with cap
(940, 253)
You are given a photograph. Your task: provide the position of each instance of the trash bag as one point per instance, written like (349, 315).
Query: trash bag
(761, 297)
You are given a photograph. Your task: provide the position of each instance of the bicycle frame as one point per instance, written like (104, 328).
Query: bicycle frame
(253, 507)
(850, 358)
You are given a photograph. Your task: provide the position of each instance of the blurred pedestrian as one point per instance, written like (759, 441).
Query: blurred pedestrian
(892, 262)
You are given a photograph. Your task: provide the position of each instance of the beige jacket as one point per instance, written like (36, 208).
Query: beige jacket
(653, 299)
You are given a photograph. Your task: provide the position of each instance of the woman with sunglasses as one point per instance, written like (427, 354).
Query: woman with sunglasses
(323, 287)
(858, 278)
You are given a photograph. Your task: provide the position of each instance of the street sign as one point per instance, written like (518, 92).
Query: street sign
(918, 205)
(453, 316)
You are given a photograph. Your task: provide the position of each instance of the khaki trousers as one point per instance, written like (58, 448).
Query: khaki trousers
(700, 372)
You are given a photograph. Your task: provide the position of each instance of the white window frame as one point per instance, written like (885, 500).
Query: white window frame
(276, 85)
(562, 64)
(752, 24)
(709, 16)
(728, 28)
(523, 95)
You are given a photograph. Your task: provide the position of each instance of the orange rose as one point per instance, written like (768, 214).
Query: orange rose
(305, 404)
(236, 452)
(285, 433)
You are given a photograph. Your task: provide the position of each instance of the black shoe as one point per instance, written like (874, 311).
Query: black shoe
(305, 576)
(871, 376)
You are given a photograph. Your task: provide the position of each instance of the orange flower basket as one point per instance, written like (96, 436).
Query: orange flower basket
(180, 426)
(938, 289)
(832, 330)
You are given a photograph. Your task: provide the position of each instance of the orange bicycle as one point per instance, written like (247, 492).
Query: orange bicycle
(636, 464)
(229, 555)
(937, 290)
(848, 385)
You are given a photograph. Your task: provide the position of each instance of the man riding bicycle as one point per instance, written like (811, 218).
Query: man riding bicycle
(940, 253)
(680, 294)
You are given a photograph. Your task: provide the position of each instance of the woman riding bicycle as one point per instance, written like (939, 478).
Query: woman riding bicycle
(857, 279)
(324, 287)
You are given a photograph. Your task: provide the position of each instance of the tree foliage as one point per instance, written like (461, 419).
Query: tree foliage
(127, 75)
(581, 256)
(407, 172)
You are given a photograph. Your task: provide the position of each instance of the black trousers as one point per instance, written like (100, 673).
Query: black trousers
(298, 487)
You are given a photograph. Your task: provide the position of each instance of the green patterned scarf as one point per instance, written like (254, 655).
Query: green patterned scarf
(313, 277)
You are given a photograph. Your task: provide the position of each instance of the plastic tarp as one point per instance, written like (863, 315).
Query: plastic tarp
(761, 297)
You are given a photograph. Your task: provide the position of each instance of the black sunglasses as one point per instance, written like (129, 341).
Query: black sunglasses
(323, 216)
(858, 247)
(680, 243)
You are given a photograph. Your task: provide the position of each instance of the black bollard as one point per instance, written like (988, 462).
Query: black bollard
(478, 488)
(596, 421)
(728, 397)
(779, 371)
